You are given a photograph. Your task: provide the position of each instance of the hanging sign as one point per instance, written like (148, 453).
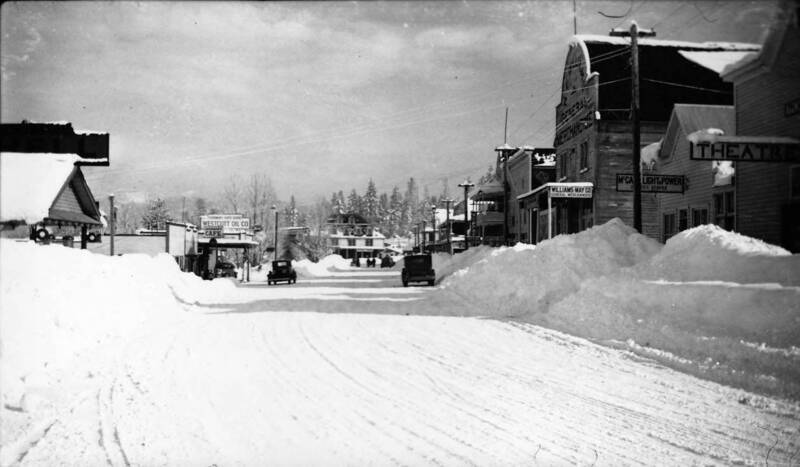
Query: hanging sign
(653, 183)
(570, 190)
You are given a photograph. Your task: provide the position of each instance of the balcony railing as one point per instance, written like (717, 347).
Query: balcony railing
(489, 217)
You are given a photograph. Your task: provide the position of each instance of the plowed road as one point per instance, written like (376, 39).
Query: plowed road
(333, 372)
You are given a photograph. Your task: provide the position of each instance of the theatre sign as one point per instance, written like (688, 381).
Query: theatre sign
(744, 148)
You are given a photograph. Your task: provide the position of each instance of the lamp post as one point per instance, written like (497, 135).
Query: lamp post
(433, 226)
(275, 210)
(448, 226)
(467, 185)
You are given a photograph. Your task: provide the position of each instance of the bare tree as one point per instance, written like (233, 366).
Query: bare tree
(232, 193)
(260, 197)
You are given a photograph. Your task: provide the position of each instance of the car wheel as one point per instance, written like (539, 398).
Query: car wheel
(405, 283)
(92, 237)
(430, 282)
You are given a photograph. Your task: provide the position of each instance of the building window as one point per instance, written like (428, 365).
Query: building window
(584, 155)
(699, 217)
(795, 181)
(351, 242)
(724, 210)
(369, 242)
(683, 220)
(669, 226)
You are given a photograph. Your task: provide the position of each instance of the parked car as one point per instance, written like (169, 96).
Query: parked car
(417, 268)
(225, 269)
(282, 270)
(387, 262)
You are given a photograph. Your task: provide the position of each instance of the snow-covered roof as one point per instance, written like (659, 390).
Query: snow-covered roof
(616, 40)
(30, 182)
(649, 154)
(716, 61)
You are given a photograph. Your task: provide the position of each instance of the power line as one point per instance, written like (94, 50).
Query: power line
(685, 86)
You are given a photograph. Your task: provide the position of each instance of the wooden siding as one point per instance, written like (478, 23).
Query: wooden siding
(765, 188)
(68, 201)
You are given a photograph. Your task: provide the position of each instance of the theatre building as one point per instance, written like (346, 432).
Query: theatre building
(765, 146)
(593, 135)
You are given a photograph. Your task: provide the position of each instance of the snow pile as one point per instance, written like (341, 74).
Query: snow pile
(64, 308)
(325, 266)
(519, 279)
(709, 296)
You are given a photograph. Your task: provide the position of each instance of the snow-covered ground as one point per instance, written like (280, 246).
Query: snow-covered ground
(128, 361)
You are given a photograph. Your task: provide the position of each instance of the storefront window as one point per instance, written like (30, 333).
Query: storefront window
(699, 217)
(683, 220)
(584, 155)
(724, 210)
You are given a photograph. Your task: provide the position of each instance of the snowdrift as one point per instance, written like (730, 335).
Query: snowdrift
(709, 301)
(64, 308)
(325, 267)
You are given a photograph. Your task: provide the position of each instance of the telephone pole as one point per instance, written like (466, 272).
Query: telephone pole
(466, 184)
(635, 33)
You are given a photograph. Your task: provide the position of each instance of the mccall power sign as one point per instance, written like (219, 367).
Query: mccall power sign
(224, 223)
(653, 183)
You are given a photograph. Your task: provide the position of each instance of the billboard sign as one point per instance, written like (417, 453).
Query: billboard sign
(227, 223)
(653, 183)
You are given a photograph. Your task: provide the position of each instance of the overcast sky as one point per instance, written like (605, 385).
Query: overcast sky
(319, 96)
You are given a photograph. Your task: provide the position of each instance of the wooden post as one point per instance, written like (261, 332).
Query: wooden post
(83, 236)
(549, 215)
(113, 222)
(634, 34)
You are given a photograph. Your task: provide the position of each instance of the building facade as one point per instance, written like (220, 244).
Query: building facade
(593, 137)
(351, 236)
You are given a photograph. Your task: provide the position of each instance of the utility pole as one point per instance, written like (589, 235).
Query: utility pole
(275, 210)
(113, 219)
(634, 33)
(449, 227)
(466, 184)
(433, 227)
(423, 237)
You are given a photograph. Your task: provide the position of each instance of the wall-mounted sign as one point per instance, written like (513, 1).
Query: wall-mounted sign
(575, 113)
(570, 190)
(653, 183)
(742, 149)
(228, 223)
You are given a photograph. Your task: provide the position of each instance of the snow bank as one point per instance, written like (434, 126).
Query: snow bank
(61, 305)
(700, 297)
(325, 266)
(516, 280)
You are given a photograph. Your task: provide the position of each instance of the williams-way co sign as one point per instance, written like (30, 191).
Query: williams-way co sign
(653, 183)
(570, 190)
(227, 223)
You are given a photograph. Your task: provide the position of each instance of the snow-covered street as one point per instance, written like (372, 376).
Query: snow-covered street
(283, 377)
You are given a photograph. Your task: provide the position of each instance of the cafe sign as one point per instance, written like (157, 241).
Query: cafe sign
(653, 183)
(745, 149)
(570, 190)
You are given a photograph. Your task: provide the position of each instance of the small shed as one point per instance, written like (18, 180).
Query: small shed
(61, 196)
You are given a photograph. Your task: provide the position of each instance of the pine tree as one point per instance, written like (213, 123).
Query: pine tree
(156, 216)
(370, 203)
(354, 203)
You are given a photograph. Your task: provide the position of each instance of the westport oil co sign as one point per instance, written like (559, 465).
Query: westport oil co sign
(224, 223)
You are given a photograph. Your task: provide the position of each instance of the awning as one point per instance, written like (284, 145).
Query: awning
(225, 243)
(56, 215)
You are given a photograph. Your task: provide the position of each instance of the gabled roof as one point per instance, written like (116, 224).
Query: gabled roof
(32, 184)
(693, 117)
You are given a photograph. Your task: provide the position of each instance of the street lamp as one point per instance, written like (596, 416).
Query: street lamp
(275, 210)
(467, 185)
(433, 226)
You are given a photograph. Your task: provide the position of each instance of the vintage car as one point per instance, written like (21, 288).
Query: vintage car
(225, 269)
(281, 271)
(387, 262)
(417, 268)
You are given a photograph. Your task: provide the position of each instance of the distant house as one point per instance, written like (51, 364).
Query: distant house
(351, 236)
(60, 197)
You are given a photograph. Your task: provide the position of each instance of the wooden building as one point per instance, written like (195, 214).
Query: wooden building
(593, 137)
(767, 101)
(708, 190)
(351, 236)
(60, 197)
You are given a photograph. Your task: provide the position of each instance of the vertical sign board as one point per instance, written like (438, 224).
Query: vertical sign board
(575, 113)
(176, 239)
(653, 183)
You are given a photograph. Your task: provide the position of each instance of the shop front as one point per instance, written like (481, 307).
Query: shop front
(557, 208)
